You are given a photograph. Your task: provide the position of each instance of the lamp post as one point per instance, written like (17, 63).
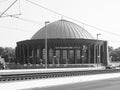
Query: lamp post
(46, 43)
(98, 35)
(97, 50)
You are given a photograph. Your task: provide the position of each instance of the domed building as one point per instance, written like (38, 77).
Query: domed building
(67, 44)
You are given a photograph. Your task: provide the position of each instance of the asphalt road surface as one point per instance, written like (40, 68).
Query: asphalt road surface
(108, 84)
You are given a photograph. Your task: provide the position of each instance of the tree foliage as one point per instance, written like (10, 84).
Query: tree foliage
(1, 50)
(114, 54)
(8, 54)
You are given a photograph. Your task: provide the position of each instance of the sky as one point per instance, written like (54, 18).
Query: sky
(102, 14)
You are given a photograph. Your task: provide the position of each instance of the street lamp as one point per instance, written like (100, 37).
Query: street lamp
(46, 43)
(98, 35)
(97, 50)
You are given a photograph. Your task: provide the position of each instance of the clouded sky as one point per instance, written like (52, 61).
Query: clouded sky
(103, 14)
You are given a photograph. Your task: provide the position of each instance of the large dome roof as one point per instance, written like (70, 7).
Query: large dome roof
(62, 29)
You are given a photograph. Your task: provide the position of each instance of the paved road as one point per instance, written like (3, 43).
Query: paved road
(109, 84)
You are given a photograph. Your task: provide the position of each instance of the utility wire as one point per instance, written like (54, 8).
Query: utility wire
(32, 21)
(8, 8)
(45, 8)
(71, 18)
(13, 15)
(23, 19)
(27, 20)
(19, 7)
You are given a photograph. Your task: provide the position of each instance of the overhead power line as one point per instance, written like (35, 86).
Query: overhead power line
(19, 7)
(50, 10)
(23, 19)
(36, 22)
(44, 7)
(28, 20)
(8, 8)
(12, 15)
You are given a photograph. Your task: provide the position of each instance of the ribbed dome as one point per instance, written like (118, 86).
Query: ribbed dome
(62, 29)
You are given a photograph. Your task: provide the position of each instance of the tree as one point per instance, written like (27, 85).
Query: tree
(1, 50)
(8, 54)
(114, 54)
(110, 49)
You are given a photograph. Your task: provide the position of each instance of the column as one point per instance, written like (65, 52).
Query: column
(34, 59)
(32, 54)
(89, 55)
(94, 54)
(75, 56)
(47, 55)
(56, 53)
(16, 54)
(23, 52)
(106, 54)
(28, 57)
(102, 53)
(68, 57)
(54, 57)
(20, 54)
(61, 57)
(40, 55)
(99, 54)
(37, 55)
(58, 58)
(40, 52)
(81, 55)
